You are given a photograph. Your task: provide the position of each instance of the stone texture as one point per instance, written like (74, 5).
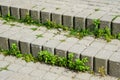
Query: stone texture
(90, 18)
(14, 67)
(37, 45)
(90, 52)
(114, 64)
(101, 60)
(23, 13)
(51, 45)
(4, 10)
(35, 15)
(115, 26)
(15, 12)
(80, 19)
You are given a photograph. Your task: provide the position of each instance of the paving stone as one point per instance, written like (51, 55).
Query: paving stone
(114, 64)
(69, 73)
(1, 57)
(115, 26)
(14, 67)
(85, 42)
(44, 67)
(15, 12)
(90, 18)
(4, 39)
(26, 70)
(10, 59)
(48, 76)
(20, 62)
(80, 19)
(106, 20)
(68, 19)
(51, 45)
(5, 74)
(23, 13)
(77, 50)
(59, 37)
(57, 16)
(3, 64)
(4, 10)
(101, 60)
(25, 43)
(33, 65)
(83, 76)
(90, 52)
(45, 15)
(37, 45)
(28, 77)
(98, 44)
(38, 73)
(15, 77)
(64, 78)
(35, 15)
(111, 47)
(48, 35)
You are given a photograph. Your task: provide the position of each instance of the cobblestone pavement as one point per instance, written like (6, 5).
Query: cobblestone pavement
(20, 70)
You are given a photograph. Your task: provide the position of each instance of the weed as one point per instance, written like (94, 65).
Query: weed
(101, 70)
(57, 8)
(39, 35)
(97, 9)
(62, 40)
(28, 58)
(4, 68)
(34, 29)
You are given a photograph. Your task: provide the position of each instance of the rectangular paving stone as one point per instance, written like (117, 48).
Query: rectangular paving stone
(4, 39)
(23, 13)
(114, 65)
(101, 60)
(35, 15)
(61, 49)
(51, 45)
(80, 19)
(57, 16)
(106, 20)
(45, 15)
(90, 52)
(37, 45)
(115, 26)
(15, 12)
(4, 10)
(68, 19)
(77, 49)
(25, 43)
(92, 17)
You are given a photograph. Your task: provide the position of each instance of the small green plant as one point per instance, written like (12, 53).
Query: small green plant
(101, 70)
(4, 68)
(97, 9)
(39, 35)
(34, 29)
(28, 58)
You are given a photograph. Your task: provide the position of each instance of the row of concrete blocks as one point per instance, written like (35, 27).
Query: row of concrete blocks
(28, 43)
(78, 21)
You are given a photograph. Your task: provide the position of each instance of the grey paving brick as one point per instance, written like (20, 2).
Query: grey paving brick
(14, 67)
(57, 16)
(106, 21)
(15, 12)
(10, 59)
(90, 18)
(26, 70)
(15, 76)
(51, 45)
(35, 15)
(114, 64)
(90, 52)
(68, 19)
(4, 10)
(101, 60)
(69, 73)
(59, 37)
(111, 47)
(23, 13)
(80, 19)
(48, 76)
(45, 15)
(1, 57)
(98, 44)
(64, 78)
(3, 64)
(4, 39)
(44, 67)
(20, 62)
(38, 73)
(115, 26)
(77, 50)
(83, 76)
(37, 45)
(25, 43)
